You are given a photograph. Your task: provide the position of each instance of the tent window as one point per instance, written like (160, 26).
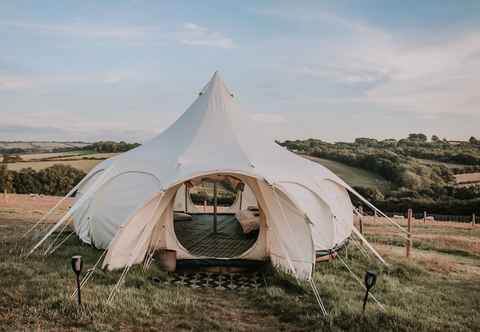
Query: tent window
(203, 193)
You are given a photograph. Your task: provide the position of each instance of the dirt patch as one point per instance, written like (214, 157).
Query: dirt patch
(30, 208)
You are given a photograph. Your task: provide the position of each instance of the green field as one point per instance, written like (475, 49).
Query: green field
(434, 162)
(352, 175)
(84, 165)
(75, 159)
(431, 292)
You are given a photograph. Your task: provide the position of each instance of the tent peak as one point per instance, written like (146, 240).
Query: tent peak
(216, 85)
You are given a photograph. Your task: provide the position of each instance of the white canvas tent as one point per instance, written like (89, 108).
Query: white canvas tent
(126, 203)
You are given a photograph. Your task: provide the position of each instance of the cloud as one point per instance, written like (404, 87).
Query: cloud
(94, 31)
(13, 82)
(189, 34)
(369, 65)
(63, 125)
(196, 35)
(270, 118)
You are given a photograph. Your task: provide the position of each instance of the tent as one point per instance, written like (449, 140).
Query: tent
(126, 204)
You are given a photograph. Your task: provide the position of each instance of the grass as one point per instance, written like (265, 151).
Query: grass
(459, 239)
(84, 165)
(83, 160)
(352, 175)
(419, 294)
(41, 145)
(435, 162)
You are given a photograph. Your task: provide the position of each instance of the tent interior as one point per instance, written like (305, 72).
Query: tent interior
(216, 217)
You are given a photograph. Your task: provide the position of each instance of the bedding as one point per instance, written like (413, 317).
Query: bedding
(249, 220)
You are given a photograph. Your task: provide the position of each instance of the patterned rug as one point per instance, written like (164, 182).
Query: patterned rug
(220, 281)
(198, 238)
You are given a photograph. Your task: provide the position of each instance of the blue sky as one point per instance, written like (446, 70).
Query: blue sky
(89, 70)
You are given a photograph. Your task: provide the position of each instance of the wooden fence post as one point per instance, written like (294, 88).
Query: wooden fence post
(473, 220)
(375, 216)
(360, 221)
(409, 235)
(424, 217)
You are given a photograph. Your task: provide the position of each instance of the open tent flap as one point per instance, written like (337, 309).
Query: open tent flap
(338, 200)
(322, 220)
(289, 236)
(131, 242)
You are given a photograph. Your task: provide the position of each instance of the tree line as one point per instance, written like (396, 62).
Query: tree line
(56, 180)
(100, 147)
(410, 164)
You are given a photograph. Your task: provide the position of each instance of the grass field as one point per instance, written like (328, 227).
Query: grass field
(82, 160)
(41, 146)
(34, 156)
(352, 175)
(84, 165)
(434, 162)
(436, 290)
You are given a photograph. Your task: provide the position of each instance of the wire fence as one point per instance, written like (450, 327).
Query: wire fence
(427, 216)
(435, 217)
(431, 216)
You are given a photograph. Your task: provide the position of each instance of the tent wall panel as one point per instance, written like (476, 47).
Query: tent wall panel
(115, 201)
(289, 235)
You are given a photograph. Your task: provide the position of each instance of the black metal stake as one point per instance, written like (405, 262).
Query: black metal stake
(77, 265)
(370, 280)
(79, 295)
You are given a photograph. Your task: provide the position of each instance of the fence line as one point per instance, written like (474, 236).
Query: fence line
(435, 216)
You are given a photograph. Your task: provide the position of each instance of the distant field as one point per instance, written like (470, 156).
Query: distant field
(470, 178)
(434, 162)
(84, 165)
(41, 145)
(90, 155)
(352, 175)
(32, 156)
(38, 161)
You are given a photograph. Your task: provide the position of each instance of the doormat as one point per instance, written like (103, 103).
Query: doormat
(220, 281)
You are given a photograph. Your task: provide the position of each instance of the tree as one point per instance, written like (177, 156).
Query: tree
(474, 141)
(435, 138)
(26, 181)
(365, 141)
(58, 179)
(6, 177)
(417, 137)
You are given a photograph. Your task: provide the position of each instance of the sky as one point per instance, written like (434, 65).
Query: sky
(336, 70)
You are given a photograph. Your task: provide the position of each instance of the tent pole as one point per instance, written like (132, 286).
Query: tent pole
(215, 207)
(186, 196)
(241, 194)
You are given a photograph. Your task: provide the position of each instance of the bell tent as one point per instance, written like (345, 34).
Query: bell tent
(129, 204)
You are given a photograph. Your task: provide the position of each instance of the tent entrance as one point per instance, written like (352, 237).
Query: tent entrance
(198, 237)
(216, 220)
